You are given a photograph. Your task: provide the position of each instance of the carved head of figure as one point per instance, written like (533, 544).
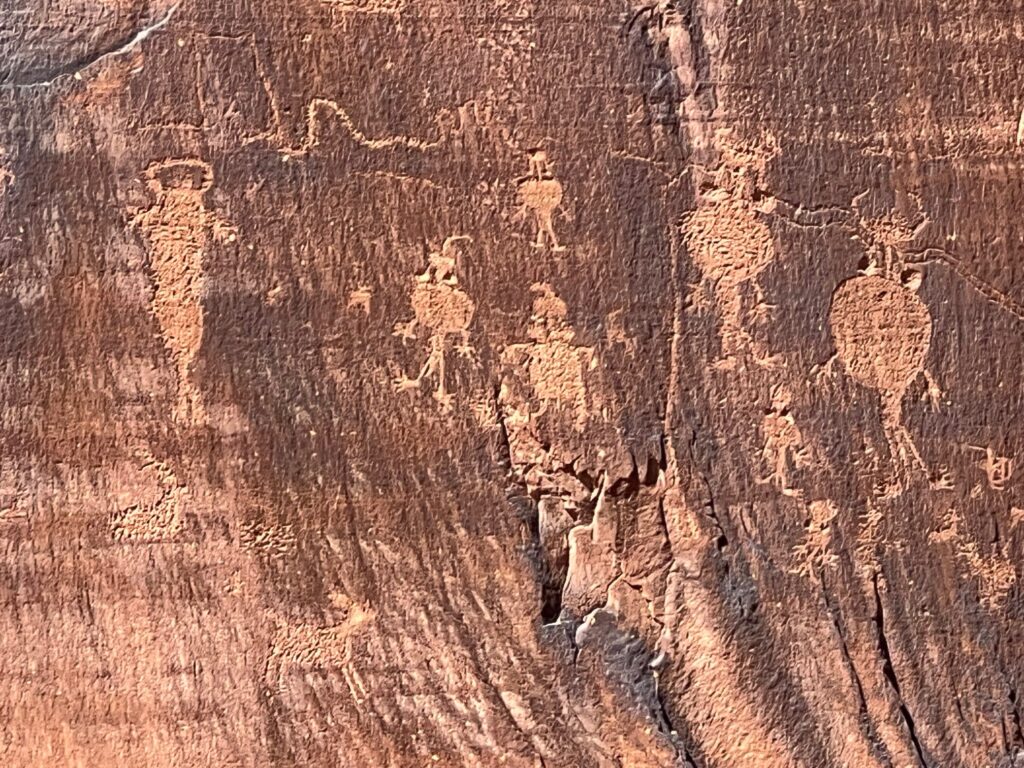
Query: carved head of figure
(442, 266)
(186, 176)
(548, 321)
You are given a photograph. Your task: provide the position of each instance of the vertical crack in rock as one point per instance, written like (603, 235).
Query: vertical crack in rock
(862, 702)
(721, 541)
(667, 724)
(527, 506)
(1013, 743)
(593, 538)
(889, 670)
(704, 86)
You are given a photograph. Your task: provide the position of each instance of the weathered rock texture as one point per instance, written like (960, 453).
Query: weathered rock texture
(511, 383)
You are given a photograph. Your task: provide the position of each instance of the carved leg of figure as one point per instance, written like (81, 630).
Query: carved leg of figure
(406, 330)
(904, 448)
(539, 240)
(782, 475)
(441, 394)
(906, 457)
(547, 226)
(934, 391)
(463, 347)
(403, 383)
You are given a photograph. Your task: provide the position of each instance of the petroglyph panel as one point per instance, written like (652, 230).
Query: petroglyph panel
(511, 384)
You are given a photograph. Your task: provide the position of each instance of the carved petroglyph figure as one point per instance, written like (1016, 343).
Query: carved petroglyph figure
(444, 310)
(449, 128)
(555, 366)
(384, 7)
(360, 298)
(814, 553)
(179, 229)
(543, 404)
(731, 245)
(998, 469)
(882, 331)
(783, 448)
(540, 193)
(995, 571)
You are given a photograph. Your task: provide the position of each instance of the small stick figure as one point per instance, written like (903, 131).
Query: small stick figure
(783, 446)
(540, 193)
(540, 166)
(998, 469)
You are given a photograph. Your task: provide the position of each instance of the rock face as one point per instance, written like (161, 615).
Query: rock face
(511, 383)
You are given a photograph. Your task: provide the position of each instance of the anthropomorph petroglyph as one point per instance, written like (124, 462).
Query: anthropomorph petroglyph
(540, 194)
(443, 310)
(783, 448)
(814, 554)
(730, 243)
(543, 404)
(883, 332)
(179, 229)
(998, 469)
(555, 365)
(995, 571)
